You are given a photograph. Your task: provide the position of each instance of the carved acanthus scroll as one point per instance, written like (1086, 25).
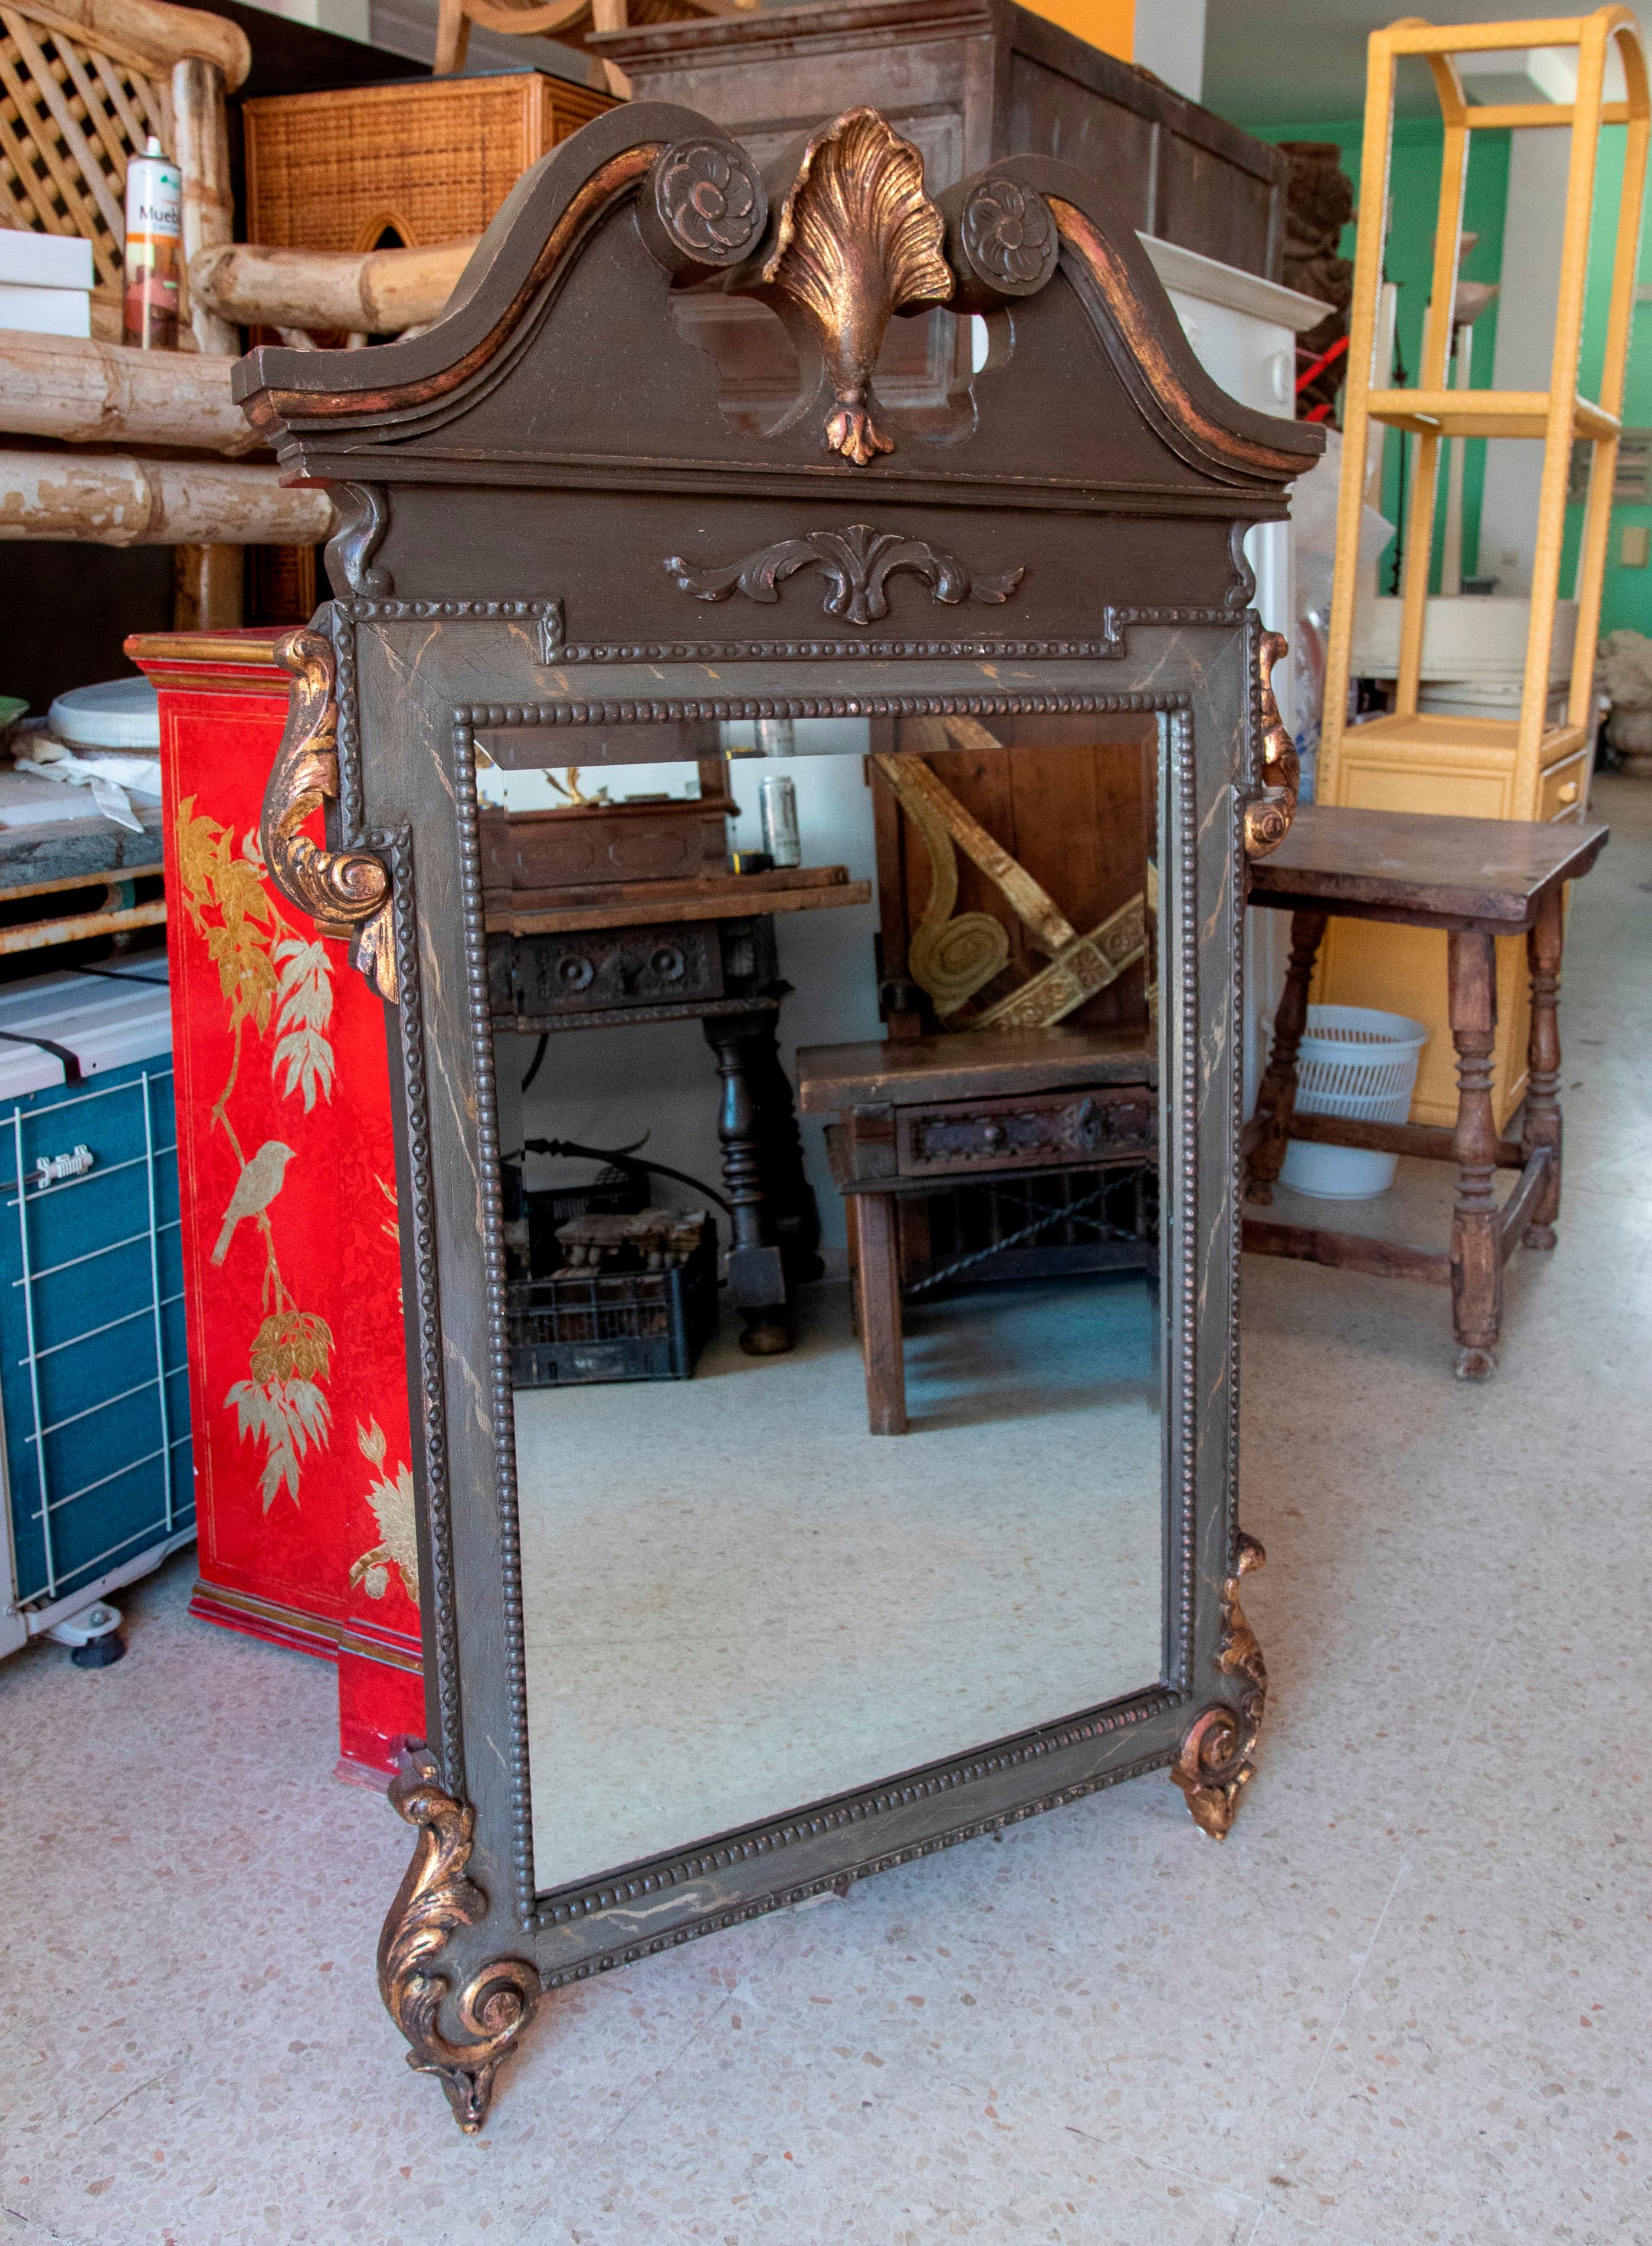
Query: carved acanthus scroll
(856, 241)
(856, 562)
(1215, 1763)
(1268, 818)
(951, 955)
(346, 893)
(497, 2003)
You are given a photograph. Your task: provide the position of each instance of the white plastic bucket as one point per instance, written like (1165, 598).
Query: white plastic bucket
(1353, 1061)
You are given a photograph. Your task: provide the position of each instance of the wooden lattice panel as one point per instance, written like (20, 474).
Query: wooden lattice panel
(70, 117)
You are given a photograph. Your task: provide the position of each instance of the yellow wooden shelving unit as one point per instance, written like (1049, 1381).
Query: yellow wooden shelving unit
(1419, 761)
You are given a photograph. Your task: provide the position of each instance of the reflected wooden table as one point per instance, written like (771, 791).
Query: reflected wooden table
(1477, 879)
(704, 951)
(923, 1114)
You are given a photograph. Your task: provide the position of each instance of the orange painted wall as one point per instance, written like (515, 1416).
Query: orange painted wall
(1110, 25)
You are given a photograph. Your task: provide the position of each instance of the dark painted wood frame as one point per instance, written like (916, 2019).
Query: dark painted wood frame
(426, 674)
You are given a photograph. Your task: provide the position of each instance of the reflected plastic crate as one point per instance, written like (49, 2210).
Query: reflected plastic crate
(579, 1326)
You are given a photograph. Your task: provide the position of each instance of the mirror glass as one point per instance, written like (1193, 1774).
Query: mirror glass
(774, 1004)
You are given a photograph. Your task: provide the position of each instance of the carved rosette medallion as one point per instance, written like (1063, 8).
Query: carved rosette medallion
(346, 893)
(497, 2003)
(709, 201)
(1267, 819)
(856, 241)
(856, 562)
(1216, 1759)
(1009, 236)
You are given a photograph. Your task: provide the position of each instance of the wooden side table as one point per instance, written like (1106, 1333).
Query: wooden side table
(685, 950)
(1477, 879)
(922, 1114)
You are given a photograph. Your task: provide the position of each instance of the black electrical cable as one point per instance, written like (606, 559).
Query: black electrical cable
(622, 1158)
(538, 1061)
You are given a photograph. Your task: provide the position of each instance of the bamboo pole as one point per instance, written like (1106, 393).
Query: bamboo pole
(87, 393)
(1436, 336)
(202, 146)
(112, 499)
(1597, 513)
(1562, 408)
(1361, 346)
(373, 291)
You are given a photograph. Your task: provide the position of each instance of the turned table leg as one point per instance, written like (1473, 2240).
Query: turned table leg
(1541, 1131)
(1276, 1100)
(743, 1045)
(1477, 1244)
(877, 1290)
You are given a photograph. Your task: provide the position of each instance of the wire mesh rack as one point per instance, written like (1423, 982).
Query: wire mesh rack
(93, 1378)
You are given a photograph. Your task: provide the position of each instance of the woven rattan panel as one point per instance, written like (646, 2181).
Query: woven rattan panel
(433, 159)
(69, 119)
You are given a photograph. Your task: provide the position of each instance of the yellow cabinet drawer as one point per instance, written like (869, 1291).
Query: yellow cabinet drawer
(1564, 789)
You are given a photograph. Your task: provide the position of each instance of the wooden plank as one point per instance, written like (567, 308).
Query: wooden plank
(1517, 1209)
(1346, 1251)
(974, 1064)
(1427, 1142)
(1422, 868)
(741, 899)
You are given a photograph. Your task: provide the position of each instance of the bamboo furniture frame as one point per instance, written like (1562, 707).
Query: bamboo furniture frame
(81, 86)
(1418, 759)
(570, 21)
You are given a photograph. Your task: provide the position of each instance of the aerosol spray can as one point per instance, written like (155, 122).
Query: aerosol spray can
(154, 231)
(779, 795)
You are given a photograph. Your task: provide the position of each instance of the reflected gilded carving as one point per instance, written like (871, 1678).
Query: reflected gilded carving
(1216, 1759)
(497, 2003)
(346, 893)
(856, 241)
(1268, 817)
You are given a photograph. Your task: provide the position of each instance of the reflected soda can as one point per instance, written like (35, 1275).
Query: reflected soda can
(779, 804)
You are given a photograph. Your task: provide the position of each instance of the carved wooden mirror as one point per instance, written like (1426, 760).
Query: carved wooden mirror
(848, 1467)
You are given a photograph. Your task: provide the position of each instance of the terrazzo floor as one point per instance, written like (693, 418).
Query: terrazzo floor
(867, 1603)
(1406, 2001)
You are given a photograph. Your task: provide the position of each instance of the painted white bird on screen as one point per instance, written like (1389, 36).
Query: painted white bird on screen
(256, 1187)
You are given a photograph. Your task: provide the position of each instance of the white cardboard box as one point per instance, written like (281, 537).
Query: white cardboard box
(46, 311)
(44, 261)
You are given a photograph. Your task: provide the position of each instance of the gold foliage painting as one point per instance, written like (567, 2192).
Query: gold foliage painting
(277, 985)
(391, 1498)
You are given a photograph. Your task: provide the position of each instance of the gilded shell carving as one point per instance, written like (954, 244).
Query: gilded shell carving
(856, 241)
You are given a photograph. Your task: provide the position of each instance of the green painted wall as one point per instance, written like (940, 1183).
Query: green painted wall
(1627, 594)
(1414, 187)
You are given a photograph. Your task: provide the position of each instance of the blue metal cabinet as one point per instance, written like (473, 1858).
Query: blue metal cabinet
(93, 1381)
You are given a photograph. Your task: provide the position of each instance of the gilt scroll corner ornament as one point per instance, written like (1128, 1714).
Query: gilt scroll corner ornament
(346, 893)
(856, 562)
(437, 1896)
(856, 241)
(1216, 1759)
(1268, 816)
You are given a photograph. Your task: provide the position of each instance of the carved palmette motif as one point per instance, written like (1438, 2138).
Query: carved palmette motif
(1215, 1762)
(437, 1896)
(346, 893)
(856, 241)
